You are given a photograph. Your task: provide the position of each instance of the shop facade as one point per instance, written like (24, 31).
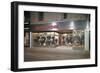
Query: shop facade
(70, 32)
(59, 35)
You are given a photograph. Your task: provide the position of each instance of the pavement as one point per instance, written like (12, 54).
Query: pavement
(54, 53)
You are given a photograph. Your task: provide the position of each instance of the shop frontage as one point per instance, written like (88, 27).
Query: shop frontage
(74, 34)
(70, 38)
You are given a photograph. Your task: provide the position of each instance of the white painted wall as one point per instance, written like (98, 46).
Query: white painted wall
(5, 32)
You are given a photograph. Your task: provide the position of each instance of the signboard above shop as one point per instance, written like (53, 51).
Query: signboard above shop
(59, 25)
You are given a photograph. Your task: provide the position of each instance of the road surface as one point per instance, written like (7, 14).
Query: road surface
(58, 53)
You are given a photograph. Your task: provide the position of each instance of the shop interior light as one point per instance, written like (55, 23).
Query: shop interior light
(72, 26)
(54, 24)
(87, 26)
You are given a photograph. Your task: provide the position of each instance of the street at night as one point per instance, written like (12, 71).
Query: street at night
(58, 53)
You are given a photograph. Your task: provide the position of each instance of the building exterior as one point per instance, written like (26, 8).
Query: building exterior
(51, 29)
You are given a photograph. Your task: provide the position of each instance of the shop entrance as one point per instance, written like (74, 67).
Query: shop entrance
(68, 38)
(52, 39)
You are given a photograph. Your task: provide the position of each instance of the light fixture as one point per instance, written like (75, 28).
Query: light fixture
(72, 26)
(54, 23)
(87, 26)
